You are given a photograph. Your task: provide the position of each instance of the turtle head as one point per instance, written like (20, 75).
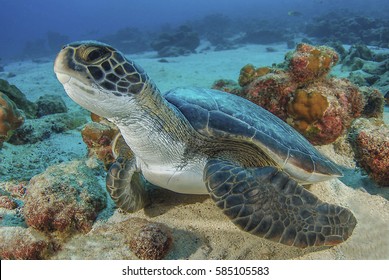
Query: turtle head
(99, 78)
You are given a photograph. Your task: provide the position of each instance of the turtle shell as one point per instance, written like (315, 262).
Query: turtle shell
(222, 115)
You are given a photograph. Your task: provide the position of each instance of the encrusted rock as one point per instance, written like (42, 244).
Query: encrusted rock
(7, 202)
(98, 137)
(151, 242)
(17, 243)
(65, 198)
(229, 86)
(310, 63)
(50, 104)
(248, 73)
(10, 117)
(374, 103)
(36, 130)
(132, 238)
(104, 140)
(370, 140)
(19, 98)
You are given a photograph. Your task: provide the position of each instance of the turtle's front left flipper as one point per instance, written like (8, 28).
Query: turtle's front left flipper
(126, 185)
(268, 203)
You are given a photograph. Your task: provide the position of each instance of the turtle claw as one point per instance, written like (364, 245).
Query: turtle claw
(268, 203)
(126, 186)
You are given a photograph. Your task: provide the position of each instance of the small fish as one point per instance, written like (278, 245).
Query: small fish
(294, 13)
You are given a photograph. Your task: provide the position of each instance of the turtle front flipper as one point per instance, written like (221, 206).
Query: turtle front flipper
(267, 202)
(125, 185)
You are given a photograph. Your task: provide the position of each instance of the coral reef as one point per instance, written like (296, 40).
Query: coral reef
(349, 28)
(36, 130)
(248, 73)
(152, 242)
(324, 111)
(104, 140)
(17, 243)
(181, 42)
(309, 63)
(308, 107)
(370, 140)
(7, 202)
(368, 68)
(355, 57)
(374, 102)
(302, 94)
(49, 104)
(10, 117)
(19, 98)
(66, 198)
(228, 86)
(98, 137)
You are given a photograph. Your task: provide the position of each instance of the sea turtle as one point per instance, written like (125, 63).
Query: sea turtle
(200, 141)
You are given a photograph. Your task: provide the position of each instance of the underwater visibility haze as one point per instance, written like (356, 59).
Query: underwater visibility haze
(221, 129)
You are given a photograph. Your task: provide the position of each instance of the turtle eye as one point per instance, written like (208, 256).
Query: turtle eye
(94, 54)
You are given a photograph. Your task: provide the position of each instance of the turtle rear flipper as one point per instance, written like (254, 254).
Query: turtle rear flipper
(126, 185)
(268, 203)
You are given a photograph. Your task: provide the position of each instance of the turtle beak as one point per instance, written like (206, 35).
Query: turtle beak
(63, 78)
(59, 67)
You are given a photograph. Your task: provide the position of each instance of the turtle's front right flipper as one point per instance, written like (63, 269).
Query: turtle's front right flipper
(268, 203)
(126, 185)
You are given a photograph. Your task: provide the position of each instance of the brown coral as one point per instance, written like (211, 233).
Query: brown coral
(307, 107)
(10, 117)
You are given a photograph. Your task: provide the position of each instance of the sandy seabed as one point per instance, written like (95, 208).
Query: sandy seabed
(199, 228)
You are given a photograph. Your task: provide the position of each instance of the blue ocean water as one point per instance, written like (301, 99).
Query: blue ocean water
(24, 21)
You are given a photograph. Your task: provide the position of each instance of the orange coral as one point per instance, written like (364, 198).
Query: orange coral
(248, 73)
(324, 110)
(98, 138)
(307, 107)
(10, 117)
(309, 63)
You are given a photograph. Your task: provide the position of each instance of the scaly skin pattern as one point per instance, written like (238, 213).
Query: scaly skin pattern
(268, 203)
